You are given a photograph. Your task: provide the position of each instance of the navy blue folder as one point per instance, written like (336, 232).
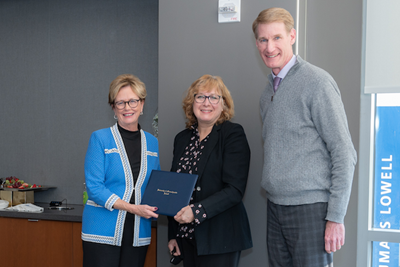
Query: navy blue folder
(169, 191)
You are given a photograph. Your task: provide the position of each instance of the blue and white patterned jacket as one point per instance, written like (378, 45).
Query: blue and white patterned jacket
(108, 178)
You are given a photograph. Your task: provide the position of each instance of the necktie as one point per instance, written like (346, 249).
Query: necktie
(277, 81)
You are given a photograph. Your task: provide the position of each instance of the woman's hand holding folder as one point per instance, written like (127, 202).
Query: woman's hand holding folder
(185, 215)
(144, 211)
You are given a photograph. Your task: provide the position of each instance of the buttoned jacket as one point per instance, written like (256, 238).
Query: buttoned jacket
(223, 172)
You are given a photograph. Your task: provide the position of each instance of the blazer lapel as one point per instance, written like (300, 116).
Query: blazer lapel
(208, 148)
(180, 147)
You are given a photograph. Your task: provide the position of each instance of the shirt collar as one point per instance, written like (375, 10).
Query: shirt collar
(285, 69)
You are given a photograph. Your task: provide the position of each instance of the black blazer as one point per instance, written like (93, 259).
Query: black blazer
(223, 171)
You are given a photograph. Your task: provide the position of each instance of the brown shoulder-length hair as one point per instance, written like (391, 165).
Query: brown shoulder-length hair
(207, 83)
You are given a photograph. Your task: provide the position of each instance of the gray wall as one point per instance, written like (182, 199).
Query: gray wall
(192, 43)
(334, 43)
(58, 59)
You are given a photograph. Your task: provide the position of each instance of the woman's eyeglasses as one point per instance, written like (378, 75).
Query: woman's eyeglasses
(214, 99)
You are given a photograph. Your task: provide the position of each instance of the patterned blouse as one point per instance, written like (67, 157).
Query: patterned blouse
(188, 164)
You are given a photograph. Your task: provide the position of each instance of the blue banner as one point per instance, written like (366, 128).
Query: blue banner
(387, 168)
(385, 254)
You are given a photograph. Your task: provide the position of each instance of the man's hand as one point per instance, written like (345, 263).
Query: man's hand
(334, 236)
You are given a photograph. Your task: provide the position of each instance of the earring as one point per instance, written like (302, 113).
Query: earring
(141, 112)
(115, 117)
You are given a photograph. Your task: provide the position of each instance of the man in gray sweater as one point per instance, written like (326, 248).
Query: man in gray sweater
(309, 157)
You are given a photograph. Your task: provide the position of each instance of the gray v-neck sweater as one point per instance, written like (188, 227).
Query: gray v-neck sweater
(308, 153)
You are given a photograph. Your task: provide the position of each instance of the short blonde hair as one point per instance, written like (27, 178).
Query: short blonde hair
(274, 14)
(123, 80)
(207, 83)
